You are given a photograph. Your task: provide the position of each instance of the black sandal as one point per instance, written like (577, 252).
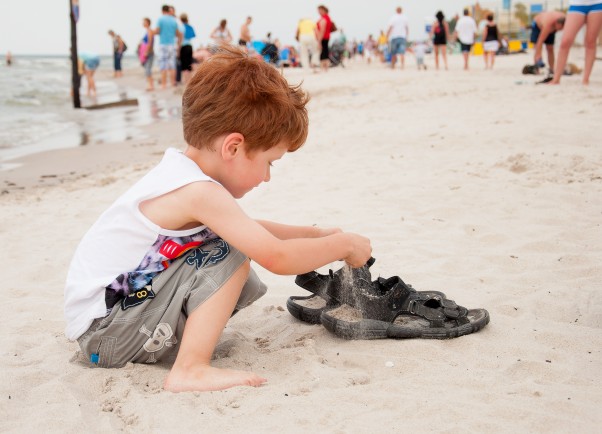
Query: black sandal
(401, 312)
(309, 308)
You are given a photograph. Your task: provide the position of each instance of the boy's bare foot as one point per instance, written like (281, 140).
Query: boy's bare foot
(203, 378)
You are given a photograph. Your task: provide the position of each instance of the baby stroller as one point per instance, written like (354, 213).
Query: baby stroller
(336, 52)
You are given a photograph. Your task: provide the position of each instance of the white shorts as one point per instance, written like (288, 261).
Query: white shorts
(491, 46)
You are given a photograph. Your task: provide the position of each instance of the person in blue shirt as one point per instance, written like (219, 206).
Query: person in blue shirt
(188, 34)
(170, 39)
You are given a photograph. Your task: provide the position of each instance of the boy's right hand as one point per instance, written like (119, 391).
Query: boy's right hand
(361, 250)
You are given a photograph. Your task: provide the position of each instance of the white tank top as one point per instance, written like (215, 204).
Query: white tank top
(124, 250)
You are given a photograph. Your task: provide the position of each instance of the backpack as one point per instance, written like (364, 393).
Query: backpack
(189, 32)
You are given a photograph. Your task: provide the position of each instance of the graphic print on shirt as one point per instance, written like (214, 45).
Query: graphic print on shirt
(160, 255)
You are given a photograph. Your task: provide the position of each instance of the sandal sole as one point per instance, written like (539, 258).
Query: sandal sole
(375, 329)
(312, 315)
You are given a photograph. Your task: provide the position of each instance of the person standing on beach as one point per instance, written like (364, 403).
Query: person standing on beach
(169, 39)
(146, 53)
(87, 65)
(543, 30)
(368, 49)
(382, 45)
(307, 37)
(580, 13)
(397, 34)
(221, 34)
(324, 27)
(465, 31)
(439, 33)
(118, 49)
(186, 59)
(164, 268)
(491, 42)
(245, 34)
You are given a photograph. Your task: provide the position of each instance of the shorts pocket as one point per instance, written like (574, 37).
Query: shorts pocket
(106, 351)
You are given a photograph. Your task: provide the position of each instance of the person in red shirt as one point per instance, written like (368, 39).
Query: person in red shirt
(324, 27)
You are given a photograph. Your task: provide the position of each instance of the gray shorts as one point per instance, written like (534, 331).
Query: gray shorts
(147, 326)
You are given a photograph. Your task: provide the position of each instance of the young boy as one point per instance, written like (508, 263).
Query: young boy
(164, 268)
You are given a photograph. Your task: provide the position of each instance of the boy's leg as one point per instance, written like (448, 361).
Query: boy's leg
(192, 370)
(147, 326)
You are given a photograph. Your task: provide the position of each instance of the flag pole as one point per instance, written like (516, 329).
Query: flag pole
(75, 78)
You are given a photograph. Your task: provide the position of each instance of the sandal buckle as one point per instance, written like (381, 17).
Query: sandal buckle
(411, 307)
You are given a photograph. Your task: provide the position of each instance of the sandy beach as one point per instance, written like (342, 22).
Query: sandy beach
(479, 184)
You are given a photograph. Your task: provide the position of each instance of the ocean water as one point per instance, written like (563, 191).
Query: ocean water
(37, 114)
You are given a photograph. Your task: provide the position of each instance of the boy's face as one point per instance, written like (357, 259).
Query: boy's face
(251, 169)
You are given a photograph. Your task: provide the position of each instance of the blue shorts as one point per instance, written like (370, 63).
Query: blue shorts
(92, 63)
(535, 32)
(585, 9)
(398, 46)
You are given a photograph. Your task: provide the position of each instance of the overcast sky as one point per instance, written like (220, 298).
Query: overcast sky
(42, 26)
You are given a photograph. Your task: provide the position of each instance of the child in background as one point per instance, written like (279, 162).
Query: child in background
(419, 49)
(167, 264)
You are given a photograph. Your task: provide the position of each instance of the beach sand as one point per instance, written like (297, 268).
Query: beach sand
(479, 184)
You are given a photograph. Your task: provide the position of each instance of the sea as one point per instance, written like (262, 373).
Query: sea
(37, 114)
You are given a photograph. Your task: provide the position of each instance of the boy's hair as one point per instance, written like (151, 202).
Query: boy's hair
(234, 93)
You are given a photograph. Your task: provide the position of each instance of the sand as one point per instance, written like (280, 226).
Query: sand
(479, 184)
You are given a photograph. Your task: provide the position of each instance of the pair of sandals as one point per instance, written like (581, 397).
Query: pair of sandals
(352, 306)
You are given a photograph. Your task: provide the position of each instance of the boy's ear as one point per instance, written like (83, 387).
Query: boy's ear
(232, 145)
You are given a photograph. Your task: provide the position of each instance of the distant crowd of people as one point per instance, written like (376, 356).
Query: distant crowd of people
(168, 44)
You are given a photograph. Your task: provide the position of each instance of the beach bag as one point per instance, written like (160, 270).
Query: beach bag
(530, 69)
(333, 27)
(142, 52)
(125, 47)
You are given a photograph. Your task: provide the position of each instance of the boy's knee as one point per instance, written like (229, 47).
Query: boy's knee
(252, 290)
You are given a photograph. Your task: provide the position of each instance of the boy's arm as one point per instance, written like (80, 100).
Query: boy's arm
(287, 232)
(212, 205)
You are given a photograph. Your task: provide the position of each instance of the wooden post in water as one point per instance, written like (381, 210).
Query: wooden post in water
(75, 78)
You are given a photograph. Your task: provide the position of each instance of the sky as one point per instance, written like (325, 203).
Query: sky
(42, 26)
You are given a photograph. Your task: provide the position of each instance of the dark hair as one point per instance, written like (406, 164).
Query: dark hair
(440, 16)
(232, 92)
(489, 17)
(165, 8)
(324, 8)
(223, 23)
(466, 12)
(147, 20)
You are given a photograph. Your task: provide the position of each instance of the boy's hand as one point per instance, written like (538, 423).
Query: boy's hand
(361, 250)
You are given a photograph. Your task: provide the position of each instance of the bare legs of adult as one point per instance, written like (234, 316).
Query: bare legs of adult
(593, 26)
(465, 54)
(489, 58)
(573, 23)
(393, 60)
(192, 370)
(91, 83)
(444, 55)
(436, 56)
(550, 51)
